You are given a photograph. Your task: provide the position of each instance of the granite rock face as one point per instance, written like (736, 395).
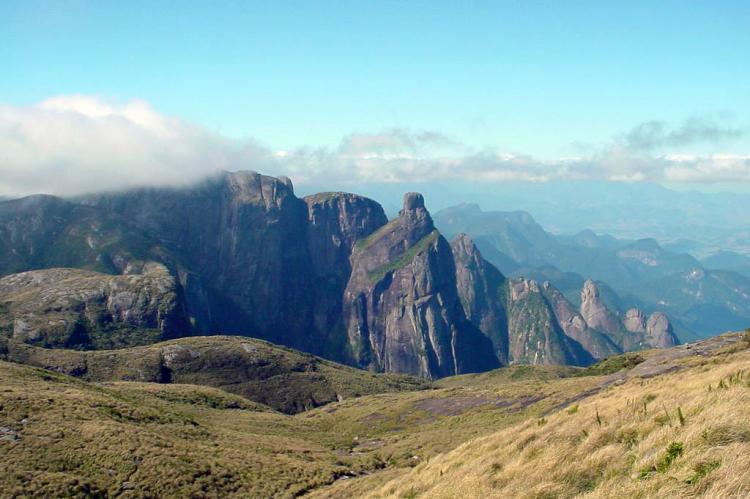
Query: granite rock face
(525, 322)
(659, 333)
(535, 335)
(336, 221)
(483, 292)
(635, 321)
(598, 344)
(240, 253)
(595, 312)
(631, 332)
(76, 308)
(401, 303)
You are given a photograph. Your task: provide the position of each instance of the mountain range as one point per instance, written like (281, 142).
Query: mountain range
(328, 274)
(700, 299)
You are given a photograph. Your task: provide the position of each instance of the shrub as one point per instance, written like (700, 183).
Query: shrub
(674, 450)
(701, 470)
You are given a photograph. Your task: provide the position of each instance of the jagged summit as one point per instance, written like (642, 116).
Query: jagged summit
(327, 274)
(401, 304)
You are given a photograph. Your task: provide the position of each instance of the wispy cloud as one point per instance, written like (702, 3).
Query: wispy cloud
(651, 135)
(76, 144)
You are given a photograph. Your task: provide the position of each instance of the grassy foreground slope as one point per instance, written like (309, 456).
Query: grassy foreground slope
(675, 425)
(287, 380)
(62, 437)
(639, 425)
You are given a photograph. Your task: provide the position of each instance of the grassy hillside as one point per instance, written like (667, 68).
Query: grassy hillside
(287, 380)
(654, 424)
(674, 426)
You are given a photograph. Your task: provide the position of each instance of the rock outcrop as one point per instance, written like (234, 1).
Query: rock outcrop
(401, 304)
(659, 333)
(526, 324)
(77, 308)
(483, 291)
(595, 312)
(633, 331)
(596, 343)
(535, 335)
(635, 321)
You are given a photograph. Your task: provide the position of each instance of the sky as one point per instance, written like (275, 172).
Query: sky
(104, 94)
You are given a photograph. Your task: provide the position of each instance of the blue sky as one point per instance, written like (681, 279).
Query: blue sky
(548, 80)
(541, 78)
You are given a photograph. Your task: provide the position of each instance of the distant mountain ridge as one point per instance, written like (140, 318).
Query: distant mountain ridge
(640, 273)
(327, 274)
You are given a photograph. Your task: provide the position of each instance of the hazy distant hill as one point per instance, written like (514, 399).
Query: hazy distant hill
(640, 273)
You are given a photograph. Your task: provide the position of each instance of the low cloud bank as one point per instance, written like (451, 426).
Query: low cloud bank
(76, 144)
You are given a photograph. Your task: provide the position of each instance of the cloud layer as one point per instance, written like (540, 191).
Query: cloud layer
(75, 144)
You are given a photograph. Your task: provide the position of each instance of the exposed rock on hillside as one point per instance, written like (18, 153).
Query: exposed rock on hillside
(595, 312)
(239, 253)
(483, 292)
(535, 335)
(336, 222)
(284, 379)
(659, 331)
(635, 321)
(85, 309)
(633, 332)
(596, 343)
(525, 323)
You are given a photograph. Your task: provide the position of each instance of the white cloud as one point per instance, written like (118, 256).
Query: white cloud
(76, 144)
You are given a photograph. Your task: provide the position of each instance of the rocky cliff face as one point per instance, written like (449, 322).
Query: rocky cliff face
(336, 221)
(85, 309)
(535, 334)
(633, 331)
(635, 321)
(401, 304)
(483, 291)
(526, 324)
(659, 333)
(239, 253)
(595, 312)
(597, 344)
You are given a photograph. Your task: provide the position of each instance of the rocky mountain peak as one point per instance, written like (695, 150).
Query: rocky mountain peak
(413, 201)
(635, 321)
(595, 312)
(463, 247)
(590, 291)
(253, 188)
(659, 331)
(401, 303)
(414, 211)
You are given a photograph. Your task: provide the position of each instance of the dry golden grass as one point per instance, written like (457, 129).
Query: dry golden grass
(674, 425)
(680, 434)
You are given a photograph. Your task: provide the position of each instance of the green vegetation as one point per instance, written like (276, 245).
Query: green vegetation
(282, 378)
(612, 365)
(405, 258)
